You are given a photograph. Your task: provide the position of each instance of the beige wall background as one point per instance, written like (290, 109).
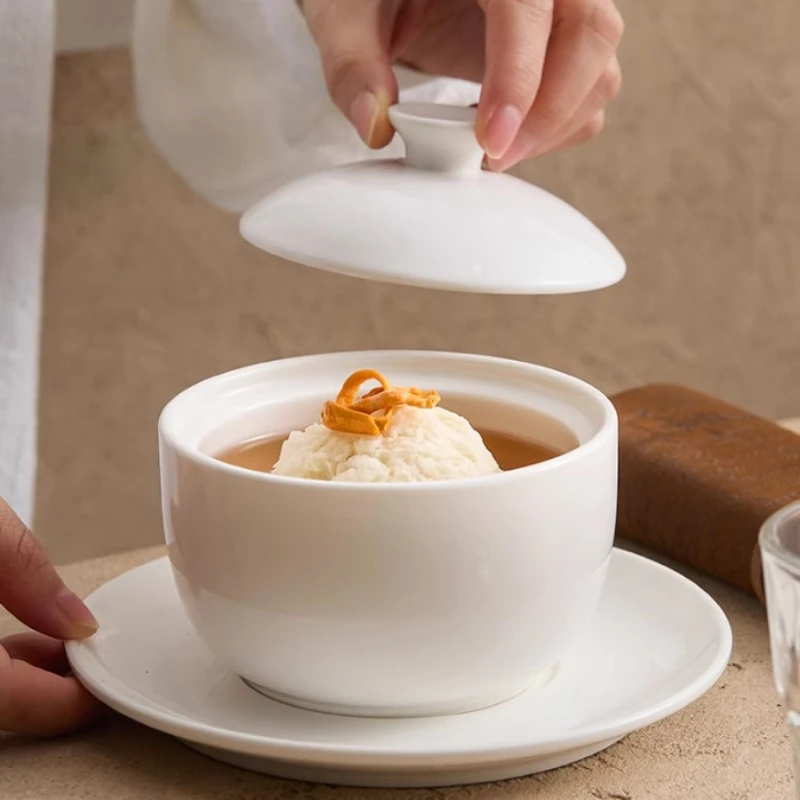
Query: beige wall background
(149, 289)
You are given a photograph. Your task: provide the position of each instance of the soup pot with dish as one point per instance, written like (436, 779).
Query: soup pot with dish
(439, 559)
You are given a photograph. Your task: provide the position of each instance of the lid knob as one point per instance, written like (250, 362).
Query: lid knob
(438, 137)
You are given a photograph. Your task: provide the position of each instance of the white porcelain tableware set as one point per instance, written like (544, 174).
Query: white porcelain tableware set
(417, 634)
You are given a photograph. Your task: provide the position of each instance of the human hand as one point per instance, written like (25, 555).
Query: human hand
(36, 695)
(548, 67)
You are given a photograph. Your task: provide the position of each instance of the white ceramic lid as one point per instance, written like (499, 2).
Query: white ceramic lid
(435, 219)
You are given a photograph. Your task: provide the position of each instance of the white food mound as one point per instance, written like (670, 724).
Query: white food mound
(420, 444)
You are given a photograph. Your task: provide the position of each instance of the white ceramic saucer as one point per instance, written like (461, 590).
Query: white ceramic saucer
(657, 644)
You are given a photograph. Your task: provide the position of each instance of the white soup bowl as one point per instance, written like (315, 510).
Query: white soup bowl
(390, 599)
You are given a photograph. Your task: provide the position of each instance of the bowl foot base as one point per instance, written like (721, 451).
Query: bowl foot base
(539, 680)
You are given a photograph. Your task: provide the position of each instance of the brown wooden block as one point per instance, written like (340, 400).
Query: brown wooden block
(698, 477)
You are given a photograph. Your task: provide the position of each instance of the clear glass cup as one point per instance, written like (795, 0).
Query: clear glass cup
(780, 554)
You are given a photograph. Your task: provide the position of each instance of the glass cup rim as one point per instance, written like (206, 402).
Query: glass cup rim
(768, 537)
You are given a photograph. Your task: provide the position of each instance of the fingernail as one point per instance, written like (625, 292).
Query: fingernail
(364, 115)
(502, 128)
(367, 115)
(81, 620)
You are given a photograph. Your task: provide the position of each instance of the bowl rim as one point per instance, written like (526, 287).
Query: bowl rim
(606, 430)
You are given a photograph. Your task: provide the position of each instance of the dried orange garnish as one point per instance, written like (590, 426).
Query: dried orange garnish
(370, 413)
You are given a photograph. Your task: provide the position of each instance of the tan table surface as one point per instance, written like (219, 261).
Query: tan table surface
(729, 745)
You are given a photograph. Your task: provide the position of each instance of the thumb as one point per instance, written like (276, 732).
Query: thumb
(354, 38)
(32, 590)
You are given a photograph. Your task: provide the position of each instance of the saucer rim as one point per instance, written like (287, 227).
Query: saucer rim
(143, 709)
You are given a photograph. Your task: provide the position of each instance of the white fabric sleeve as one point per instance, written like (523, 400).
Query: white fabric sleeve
(26, 77)
(232, 95)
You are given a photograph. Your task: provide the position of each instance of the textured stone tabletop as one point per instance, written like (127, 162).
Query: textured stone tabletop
(729, 745)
